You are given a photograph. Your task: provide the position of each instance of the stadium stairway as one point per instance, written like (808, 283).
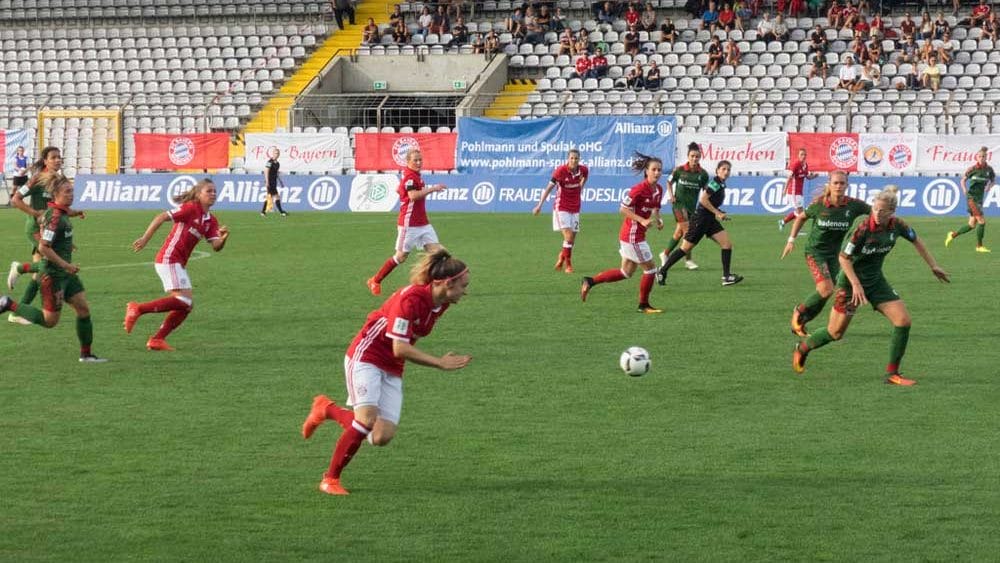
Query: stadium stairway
(507, 102)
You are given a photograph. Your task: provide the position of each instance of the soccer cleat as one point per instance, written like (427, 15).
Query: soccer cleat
(663, 258)
(731, 279)
(949, 238)
(798, 327)
(374, 286)
(799, 360)
(332, 486)
(560, 262)
(132, 314)
(284, 214)
(12, 275)
(12, 318)
(690, 265)
(569, 268)
(317, 415)
(896, 379)
(263, 214)
(585, 288)
(5, 302)
(91, 359)
(158, 344)
(983, 249)
(781, 224)
(649, 309)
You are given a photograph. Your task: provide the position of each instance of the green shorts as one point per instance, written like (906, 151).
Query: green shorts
(684, 210)
(975, 206)
(56, 290)
(877, 292)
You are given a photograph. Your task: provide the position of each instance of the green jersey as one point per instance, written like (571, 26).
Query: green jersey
(831, 224)
(39, 202)
(687, 183)
(58, 232)
(976, 180)
(869, 245)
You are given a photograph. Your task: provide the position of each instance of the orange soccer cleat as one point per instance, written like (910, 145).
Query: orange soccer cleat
(332, 486)
(799, 360)
(569, 267)
(132, 314)
(374, 286)
(896, 379)
(317, 415)
(798, 327)
(159, 344)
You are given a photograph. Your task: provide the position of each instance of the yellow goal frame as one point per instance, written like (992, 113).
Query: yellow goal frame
(114, 142)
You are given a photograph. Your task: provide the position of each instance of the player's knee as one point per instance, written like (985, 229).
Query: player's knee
(836, 333)
(401, 257)
(379, 438)
(82, 311)
(187, 300)
(824, 291)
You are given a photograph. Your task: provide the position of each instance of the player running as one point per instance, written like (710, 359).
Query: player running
(832, 214)
(683, 189)
(59, 280)
(861, 281)
(375, 361)
(192, 222)
(976, 183)
(271, 180)
(707, 222)
(413, 228)
(795, 188)
(569, 178)
(641, 207)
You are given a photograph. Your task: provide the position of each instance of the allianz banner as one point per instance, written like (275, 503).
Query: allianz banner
(300, 152)
(919, 196)
(748, 152)
(538, 146)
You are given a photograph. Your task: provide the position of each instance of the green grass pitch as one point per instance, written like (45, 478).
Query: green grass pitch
(541, 449)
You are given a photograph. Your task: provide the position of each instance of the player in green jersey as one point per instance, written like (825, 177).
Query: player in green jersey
(683, 188)
(976, 183)
(832, 214)
(59, 281)
(861, 281)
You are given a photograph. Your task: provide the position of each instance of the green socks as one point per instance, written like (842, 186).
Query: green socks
(980, 231)
(32, 314)
(818, 339)
(29, 293)
(964, 229)
(813, 306)
(900, 336)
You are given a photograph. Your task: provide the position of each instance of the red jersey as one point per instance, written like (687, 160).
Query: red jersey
(582, 65)
(411, 213)
(570, 185)
(642, 199)
(981, 11)
(407, 315)
(191, 224)
(797, 180)
(631, 17)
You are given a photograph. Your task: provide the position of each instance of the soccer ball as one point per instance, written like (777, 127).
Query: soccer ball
(635, 361)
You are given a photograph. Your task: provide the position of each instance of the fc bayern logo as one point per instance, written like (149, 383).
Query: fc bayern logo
(844, 152)
(402, 147)
(872, 155)
(900, 157)
(664, 128)
(181, 151)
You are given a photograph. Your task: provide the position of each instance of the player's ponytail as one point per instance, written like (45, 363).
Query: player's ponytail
(39, 165)
(640, 162)
(888, 196)
(192, 194)
(51, 182)
(437, 266)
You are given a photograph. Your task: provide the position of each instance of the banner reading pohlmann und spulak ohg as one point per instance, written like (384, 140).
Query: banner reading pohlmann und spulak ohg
(538, 146)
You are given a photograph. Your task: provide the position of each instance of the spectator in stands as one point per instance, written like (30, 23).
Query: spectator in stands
(342, 8)
(870, 76)
(582, 46)
(991, 27)
(850, 15)
(945, 47)
(926, 50)
(930, 76)
(558, 22)
(908, 26)
(780, 28)
(544, 19)
(926, 27)
(635, 79)
(370, 35)
(648, 20)
(606, 15)
(632, 15)
(441, 24)
(653, 77)
(941, 26)
(710, 17)
(514, 24)
(858, 47)
(732, 53)
(861, 26)
(715, 57)
(743, 13)
(456, 8)
(425, 20)
(877, 26)
(765, 28)
(817, 40)
(598, 65)
(534, 33)
(400, 33)
(874, 52)
(816, 7)
(492, 43)
(835, 15)
(980, 14)
(848, 75)
(566, 41)
(911, 77)
(459, 34)
(582, 65)
(478, 45)
(631, 40)
(396, 16)
(796, 8)
(727, 18)
(909, 52)
(668, 32)
(819, 66)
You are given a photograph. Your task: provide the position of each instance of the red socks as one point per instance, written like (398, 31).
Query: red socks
(344, 417)
(170, 303)
(609, 276)
(646, 286)
(173, 320)
(347, 446)
(386, 269)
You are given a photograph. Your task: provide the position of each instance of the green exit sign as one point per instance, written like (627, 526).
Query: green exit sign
(380, 85)
(458, 85)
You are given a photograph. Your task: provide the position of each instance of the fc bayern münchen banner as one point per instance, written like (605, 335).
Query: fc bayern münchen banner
(10, 139)
(537, 146)
(888, 153)
(748, 152)
(300, 152)
(953, 153)
(826, 151)
(181, 152)
(387, 151)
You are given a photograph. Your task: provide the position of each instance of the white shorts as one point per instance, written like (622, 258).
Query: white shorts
(795, 200)
(565, 220)
(173, 276)
(410, 238)
(368, 385)
(637, 252)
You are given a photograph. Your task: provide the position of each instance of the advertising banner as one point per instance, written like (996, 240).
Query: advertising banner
(387, 151)
(537, 146)
(300, 152)
(887, 153)
(10, 139)
(953, 154)
(749, 152)
(180, 152)
(374, 192)
(826, 151)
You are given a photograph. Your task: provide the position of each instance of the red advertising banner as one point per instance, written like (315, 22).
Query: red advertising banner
(825, 151)
(176, 152)
(387, 151)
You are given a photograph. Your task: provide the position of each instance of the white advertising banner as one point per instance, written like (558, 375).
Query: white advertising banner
(887, 153)
(374, 192)
(954, 154)
(300, 152)
(749, 152)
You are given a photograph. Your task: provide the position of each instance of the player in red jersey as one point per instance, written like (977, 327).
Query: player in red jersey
(192, 222)
(641, 207)
(414, 230)
(569, 178)
(375, 360)
(795, 188)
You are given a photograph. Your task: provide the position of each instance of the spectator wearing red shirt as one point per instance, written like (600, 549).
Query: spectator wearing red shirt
(861, 26)
(632, 15)
(835, 15)
(727, 18)
(598, 65)
(907, 27)
(582, 65)
(980, 14)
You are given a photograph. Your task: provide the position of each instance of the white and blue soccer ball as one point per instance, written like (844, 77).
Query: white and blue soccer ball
(635, 361)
